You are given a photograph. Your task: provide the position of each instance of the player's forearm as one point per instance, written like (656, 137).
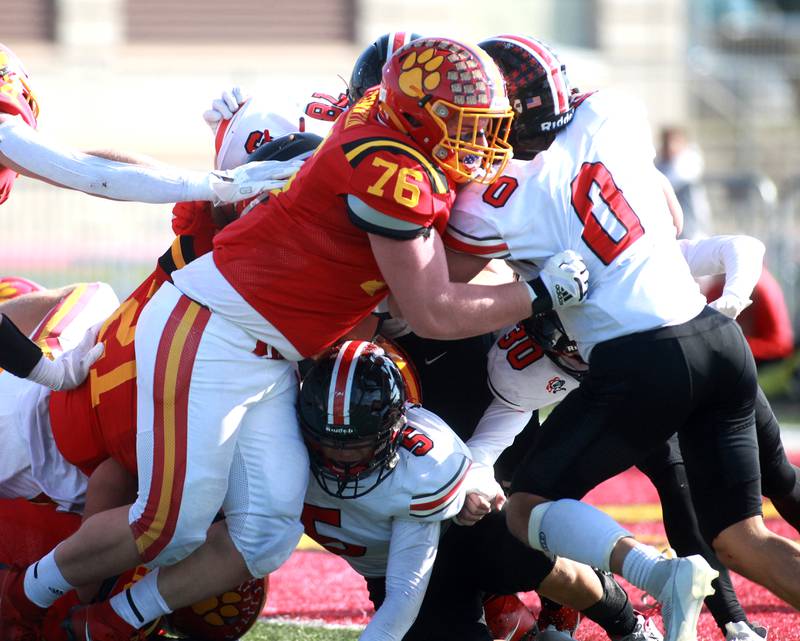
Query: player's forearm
(125, 156)
(460, 310)
(740, 258)
(26, 151)
(18, 354)
(496, 431)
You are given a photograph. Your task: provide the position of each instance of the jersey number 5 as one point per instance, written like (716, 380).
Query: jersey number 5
(597, 228)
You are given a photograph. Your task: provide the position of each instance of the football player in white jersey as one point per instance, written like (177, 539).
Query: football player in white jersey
(660, 359)
(537, 365)
(389, 476)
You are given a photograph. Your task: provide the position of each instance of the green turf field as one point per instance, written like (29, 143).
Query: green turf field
(281, 632)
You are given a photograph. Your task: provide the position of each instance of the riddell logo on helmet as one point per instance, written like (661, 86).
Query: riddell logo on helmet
(553, 125)
(339, 429)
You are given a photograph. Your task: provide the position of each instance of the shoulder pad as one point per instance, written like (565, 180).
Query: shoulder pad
(440, 465)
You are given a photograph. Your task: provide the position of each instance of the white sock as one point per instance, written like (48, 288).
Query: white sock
(142, 602)
(575, 531)
(645, 567)
(44, 582)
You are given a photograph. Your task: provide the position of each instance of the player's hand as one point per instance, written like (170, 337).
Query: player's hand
(476, 506)
(71, 368)
(563, 281)
(249, 180)
(224, 107)
(731, 305)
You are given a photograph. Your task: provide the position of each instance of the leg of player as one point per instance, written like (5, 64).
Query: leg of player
(598, 597)
(780, 480)
(665, 469)
(680, 585)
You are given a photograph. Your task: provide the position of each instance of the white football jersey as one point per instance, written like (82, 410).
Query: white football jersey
(595, 190)
(427, 484)
(260, 120)
(521, 375)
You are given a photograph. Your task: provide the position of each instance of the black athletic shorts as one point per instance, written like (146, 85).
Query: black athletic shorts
(698, 379)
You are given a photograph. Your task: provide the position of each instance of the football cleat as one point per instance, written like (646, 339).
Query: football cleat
(553, 616)
(682, 596)
(20, 620)
(99, 622)
(743, 631)
(645, 630)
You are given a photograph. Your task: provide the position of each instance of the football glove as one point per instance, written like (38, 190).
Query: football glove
(563, 281)
(71, 368)
(730, 305)
(250, 179)
(224, 107)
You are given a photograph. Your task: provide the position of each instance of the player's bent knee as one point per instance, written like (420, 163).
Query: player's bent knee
(736, 543)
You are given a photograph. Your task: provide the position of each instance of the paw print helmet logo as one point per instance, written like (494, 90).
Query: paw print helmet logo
(450, 99)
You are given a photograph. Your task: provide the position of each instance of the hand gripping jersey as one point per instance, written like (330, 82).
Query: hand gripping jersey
(302, 259)
(426, 485)
(595, 191)
(97, 420)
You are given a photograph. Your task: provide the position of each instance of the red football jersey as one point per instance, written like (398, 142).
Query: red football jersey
(302, 259)
(12, 102)
(97, 420)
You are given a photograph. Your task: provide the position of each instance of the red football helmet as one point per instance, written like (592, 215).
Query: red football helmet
(14, 88)
(447, 96)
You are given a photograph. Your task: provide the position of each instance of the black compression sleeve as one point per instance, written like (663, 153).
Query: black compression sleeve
(18, 353)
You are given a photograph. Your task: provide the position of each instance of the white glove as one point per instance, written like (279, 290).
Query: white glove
(563, 281)
(730, 305)
(71, 368)
(249, 180)
(224, 107)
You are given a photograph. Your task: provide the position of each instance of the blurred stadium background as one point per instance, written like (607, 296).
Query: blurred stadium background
(136, 75)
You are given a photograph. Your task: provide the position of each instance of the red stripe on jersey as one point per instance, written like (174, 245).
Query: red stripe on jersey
(478, 250)
(432, 505)
(551, 65)
(51, 327)
(175, 357)
(220, 136)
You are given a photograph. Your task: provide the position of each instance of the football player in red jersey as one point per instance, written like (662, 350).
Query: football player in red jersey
(92, 427)
(215, 352)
